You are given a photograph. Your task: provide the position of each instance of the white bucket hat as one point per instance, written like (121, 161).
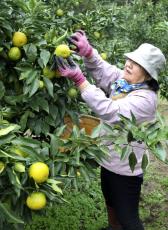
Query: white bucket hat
(150, 58)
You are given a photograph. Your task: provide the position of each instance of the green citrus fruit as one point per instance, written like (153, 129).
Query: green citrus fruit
(104, 56)
(2, 166)
(19, 39)
(39, 171)
(72, 93)
(36, 200)
(19, 167)
(48, 73)
(97, 34)
(41, 84)
(62, 51)
(14, 54)
(59, 12)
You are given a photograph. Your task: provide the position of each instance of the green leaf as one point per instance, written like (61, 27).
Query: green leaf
(145, 162)
(84, 173)
(43, 104)
(31, 51)
(53, 184)
(6, 139)
(96, 131)
(45, 56)
(9, 215)
(75, 131)
(23, 120)
(71, 172)
(2, 91)
(54, 144)
(34, 87)
(49, 86)
(125, 151)
(9, 129)
(53, 110)
(26, 141)
(133, 118)
(132, 161)
(130, 137)
(160, 152)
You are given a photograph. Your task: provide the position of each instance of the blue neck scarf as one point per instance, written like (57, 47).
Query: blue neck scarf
(122, 86)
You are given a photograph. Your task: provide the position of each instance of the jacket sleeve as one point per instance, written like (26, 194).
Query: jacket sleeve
(103, 72)
(142, 103)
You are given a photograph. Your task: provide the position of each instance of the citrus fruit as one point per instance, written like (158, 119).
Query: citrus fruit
(104, 56)
(36, 200)
(62, 51)
(39, 171)
(48, 73)
(41, 84)
(59, 12)
(2, 166)
(96, 34)
(19, 152)
(19, 167)
(19, 39)
(72, 93)
(14, 54)
(78, 173)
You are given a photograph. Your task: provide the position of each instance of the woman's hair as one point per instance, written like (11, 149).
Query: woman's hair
(153, 84)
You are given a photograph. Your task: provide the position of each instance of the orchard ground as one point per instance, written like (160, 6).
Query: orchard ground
(86, 209)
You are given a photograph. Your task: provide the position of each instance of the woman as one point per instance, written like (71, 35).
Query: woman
(133, 89)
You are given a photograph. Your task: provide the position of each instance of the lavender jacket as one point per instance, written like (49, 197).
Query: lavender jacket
(142, 103)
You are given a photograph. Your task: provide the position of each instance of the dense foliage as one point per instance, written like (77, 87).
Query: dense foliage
(34, 101)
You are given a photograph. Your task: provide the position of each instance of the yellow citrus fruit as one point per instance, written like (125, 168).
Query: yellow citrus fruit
(19, 39)
(19, 152)
(39, 171)
(97, 34)
(59, 12)
(78, 173)
(41, 84)
(36, 200)
(48, 73)
(62, 51)
(104, 56)
(72, 93)
(14, 54)
(2, 166)
(19, 167)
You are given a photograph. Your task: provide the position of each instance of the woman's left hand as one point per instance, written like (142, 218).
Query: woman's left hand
(68, 68)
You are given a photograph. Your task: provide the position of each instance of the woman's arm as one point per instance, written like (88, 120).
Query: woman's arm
(142, 103)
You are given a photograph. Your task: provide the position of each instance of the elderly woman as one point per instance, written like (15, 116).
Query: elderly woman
(117, 91)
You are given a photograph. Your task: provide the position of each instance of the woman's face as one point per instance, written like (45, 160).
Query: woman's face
(134, 73)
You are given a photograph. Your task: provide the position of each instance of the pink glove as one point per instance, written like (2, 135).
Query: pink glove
(79, 39)
(68, 68)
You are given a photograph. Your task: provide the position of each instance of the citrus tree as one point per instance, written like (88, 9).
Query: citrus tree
(35, 99)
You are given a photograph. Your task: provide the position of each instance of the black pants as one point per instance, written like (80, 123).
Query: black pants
(122, 193)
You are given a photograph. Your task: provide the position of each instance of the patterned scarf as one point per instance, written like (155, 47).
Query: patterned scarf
(122, 86)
